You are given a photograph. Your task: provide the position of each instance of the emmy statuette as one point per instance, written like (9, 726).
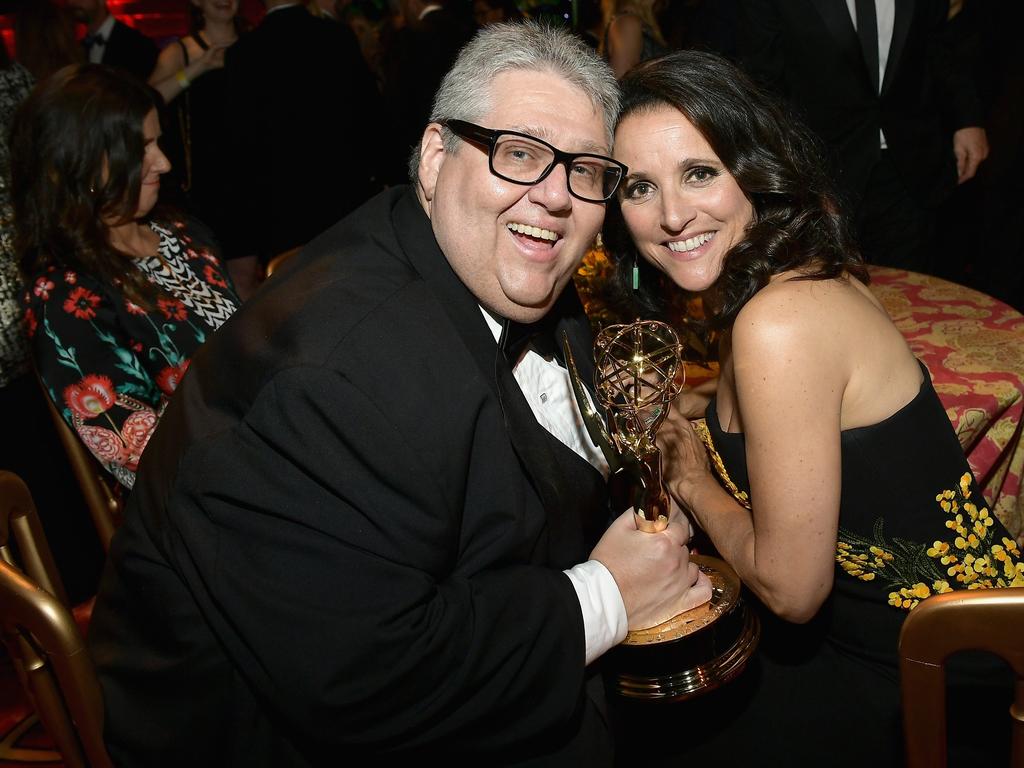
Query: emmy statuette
(639, 372)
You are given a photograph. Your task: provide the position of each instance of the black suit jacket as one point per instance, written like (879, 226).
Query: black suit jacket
(303, 117)
(808, 51)
(130, 50)
(347, 535)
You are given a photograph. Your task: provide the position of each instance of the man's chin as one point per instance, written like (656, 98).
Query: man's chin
(524, 309)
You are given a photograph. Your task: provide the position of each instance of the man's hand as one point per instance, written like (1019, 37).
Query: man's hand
(652, 570)
(970, 145)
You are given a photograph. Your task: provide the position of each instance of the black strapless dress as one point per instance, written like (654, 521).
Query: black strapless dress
(827, 692)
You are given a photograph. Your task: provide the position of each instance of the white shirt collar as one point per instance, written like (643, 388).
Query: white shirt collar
(494, 323)
(104, 29)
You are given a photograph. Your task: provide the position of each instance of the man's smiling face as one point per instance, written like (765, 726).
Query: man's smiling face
(515, 246)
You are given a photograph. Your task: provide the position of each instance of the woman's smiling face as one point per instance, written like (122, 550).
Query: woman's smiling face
(684, 210)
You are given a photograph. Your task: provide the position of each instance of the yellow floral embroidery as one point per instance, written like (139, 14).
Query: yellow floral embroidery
(915, 571)
(719, 465)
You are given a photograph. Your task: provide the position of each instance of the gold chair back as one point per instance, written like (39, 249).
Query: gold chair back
(105, 504)
(278, 260)
(989, 620)
(41, 635)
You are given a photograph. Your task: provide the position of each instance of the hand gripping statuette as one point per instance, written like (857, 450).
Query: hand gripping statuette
(639, 371)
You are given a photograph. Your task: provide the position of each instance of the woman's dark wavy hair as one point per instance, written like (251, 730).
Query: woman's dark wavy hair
(76, 164)
(776, 161)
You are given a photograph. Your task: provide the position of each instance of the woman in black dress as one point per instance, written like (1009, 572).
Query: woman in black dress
(826, 470)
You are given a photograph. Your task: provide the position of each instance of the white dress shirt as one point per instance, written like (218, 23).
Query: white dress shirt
(97, 49)
(885, 19)
(547, 389)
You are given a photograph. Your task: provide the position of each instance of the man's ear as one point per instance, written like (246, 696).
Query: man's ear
(432, 156)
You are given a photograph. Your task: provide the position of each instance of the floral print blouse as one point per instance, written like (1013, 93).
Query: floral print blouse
(108, 364)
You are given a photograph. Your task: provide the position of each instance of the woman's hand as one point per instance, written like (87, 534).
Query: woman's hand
(684, 461)
(692, 401)
(172, 76)
(212, 58)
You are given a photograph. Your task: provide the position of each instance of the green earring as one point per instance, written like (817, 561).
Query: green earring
(636, 275)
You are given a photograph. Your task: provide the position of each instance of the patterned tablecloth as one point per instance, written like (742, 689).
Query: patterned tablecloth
(973, 346)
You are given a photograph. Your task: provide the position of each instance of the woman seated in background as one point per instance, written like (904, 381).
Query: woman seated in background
(631, 34)
(190, 76)
(843, 497)
(117, 301)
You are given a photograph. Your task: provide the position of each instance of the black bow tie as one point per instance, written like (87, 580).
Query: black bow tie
(90, 40)
(515, 337)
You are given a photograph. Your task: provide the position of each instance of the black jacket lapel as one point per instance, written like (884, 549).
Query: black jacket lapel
(529, 439)
(836, 16)
(901, 26)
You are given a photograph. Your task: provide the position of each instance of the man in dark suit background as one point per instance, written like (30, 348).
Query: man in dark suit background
(420, 54)
(303, 114)
(880, 84)
(112, 42)
(365, 528)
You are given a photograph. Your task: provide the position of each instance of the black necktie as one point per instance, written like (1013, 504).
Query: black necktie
(867, 30)
(90, 40)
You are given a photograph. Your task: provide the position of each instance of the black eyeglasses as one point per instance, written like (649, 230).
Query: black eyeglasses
(524, 159)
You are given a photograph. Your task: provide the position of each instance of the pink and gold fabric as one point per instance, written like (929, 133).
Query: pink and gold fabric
(973, 346)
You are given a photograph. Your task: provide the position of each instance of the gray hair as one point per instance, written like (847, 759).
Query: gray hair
(465, 92)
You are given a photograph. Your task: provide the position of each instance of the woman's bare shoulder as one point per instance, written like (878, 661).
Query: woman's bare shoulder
(802, 319)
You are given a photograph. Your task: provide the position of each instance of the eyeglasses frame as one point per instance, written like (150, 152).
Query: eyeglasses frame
(488, 137)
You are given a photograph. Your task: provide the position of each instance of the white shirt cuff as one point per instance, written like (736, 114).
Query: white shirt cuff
(604, 614)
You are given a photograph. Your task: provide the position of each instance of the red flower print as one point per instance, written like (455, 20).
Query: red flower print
(169, 378)
(43, 287)
(213, 277)
(104, 443)
(135, 346)
(173, 309)
(205, 253)
(70, 277)
(136, 431)
(133, 308)
(30, 323)
(82, 303)
(91, 396)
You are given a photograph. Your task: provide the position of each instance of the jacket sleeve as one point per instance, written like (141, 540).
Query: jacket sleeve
(92, 369)
(332, 560)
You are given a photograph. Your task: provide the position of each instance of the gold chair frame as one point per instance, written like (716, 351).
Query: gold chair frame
(989, 620)
(278, 260)
(41, 635)
(105, 506)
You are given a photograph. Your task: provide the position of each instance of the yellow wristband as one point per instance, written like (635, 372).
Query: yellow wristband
(182, 79)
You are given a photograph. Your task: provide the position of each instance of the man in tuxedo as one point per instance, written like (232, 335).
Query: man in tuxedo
(112, 42)
(365, 527)
(879, 82)
(303, 113)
